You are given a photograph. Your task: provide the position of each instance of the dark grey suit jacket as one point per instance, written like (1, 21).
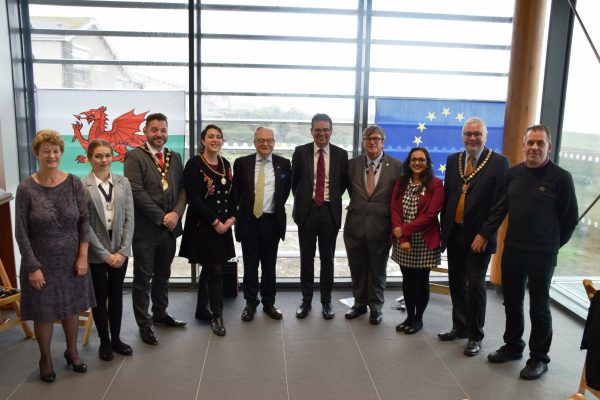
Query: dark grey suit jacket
(303, 175)
(483, 192)
(243, 183)
(151, 203)
(369, 218)
(101, 245)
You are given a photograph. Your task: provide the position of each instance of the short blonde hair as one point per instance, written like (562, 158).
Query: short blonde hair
(47, 135)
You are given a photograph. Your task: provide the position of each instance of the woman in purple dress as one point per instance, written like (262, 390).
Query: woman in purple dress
(52, 230)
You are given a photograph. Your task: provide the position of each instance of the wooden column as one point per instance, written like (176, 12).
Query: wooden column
(521, 99)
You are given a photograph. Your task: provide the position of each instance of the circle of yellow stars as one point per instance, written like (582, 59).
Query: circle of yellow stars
(431, 116)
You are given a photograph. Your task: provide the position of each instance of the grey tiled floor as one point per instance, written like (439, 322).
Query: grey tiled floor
(295, 359)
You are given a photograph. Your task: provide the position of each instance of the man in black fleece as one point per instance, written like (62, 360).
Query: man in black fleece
(539, 197)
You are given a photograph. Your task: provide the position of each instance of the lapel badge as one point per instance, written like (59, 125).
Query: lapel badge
(542, 189)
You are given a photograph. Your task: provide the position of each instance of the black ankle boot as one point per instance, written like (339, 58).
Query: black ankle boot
(217, 325)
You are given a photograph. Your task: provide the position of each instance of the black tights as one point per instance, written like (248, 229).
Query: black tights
(415, 287)
(108, 288)
(43, 333)
(210, 288)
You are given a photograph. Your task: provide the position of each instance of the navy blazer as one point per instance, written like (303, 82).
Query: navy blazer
(303, 175)
(483, 192)
(243, 183)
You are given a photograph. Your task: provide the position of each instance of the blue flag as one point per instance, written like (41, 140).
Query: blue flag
(435, 125)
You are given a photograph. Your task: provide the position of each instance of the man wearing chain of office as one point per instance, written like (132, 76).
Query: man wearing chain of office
(471, 187)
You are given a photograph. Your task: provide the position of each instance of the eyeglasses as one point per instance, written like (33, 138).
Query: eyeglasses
(374, 139)
(321, 130)
(263, 141)
(418, 160)
(473, 134)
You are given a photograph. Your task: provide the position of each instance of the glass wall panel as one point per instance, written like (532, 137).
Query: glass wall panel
(266, 62)
(580, 146)
(94, 64)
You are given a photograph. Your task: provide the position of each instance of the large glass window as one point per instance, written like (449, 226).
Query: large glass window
(262, 62)
(580, 151)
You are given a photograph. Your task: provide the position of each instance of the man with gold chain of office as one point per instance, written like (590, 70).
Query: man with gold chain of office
(471, 187)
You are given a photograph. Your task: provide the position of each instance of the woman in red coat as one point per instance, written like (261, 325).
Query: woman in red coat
(416, 202)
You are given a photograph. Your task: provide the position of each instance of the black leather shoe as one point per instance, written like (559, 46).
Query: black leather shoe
(81, 367)
(328, 312)
(147, 335)
(48, 377)
(533, 369)
(473, 348)
(105, 352)
(273, 312)
(452, 334)
(413, 328)
(248, 313)
(375, 317)
(217, 325)
(122, 348)
(403, 325)
(355, 312)
(169, 321)
(303, 309)
(203, 313)
(504, 354)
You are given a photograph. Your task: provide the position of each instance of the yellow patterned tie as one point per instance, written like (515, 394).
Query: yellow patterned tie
(460, 208)
(259, 192)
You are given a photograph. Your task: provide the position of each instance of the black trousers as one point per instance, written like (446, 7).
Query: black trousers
(260, 247)
(108, 288)
(466, 276)
(210, 289)
(151, 273)
(318, 225)
(520, 268)
(415, 288)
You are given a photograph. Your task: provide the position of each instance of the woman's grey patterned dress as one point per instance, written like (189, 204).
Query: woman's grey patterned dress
(50, 224)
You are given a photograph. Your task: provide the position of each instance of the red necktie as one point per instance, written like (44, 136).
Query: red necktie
(320, 184)
(159, 158)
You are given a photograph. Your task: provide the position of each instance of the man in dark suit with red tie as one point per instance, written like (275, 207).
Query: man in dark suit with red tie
(319, 174)
(471, 186)
(156, 176)
(261, 183)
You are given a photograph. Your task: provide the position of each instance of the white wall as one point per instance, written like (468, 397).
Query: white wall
(9, 166)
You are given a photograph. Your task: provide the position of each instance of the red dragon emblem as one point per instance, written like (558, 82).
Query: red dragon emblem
(122, 135)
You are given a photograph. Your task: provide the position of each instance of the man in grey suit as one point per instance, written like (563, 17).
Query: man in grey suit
(368, 224)
(318, 182)
(155, 174)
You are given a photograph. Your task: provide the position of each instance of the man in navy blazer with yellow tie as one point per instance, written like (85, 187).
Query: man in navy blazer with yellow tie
(471, 187)
(261, 183)
(318, 182)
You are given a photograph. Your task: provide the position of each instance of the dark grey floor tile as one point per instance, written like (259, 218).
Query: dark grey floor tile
(331, 369)
(409, 369)
(244, 370)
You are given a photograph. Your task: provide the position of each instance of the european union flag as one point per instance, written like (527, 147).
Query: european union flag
(435, 125)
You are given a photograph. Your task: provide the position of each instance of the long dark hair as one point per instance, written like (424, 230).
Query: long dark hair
(426, 175)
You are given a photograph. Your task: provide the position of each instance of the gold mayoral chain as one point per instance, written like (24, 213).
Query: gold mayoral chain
(222, 175)
(467, 179)
(162, 171)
